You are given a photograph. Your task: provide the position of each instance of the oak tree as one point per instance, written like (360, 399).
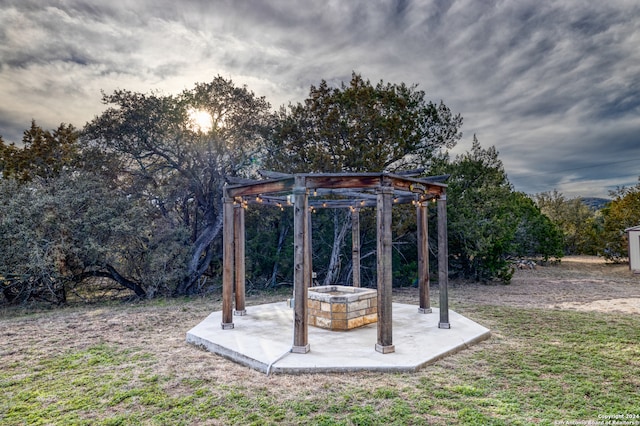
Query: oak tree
(358, 127)
(621, 213)
(178, 166)
(488, 221)
(44, 153)
(579, 224)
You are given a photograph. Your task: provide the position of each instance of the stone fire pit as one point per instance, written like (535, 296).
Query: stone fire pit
(338, 307)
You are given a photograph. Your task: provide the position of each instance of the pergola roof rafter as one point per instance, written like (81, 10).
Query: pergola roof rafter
(347, 188)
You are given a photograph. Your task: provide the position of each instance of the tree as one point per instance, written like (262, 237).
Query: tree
(487, 221)
(179, 168)
(269, 243)
(61, 234)
(358, 127)
(536, 234)
(59, 221)
(361, 128)
(622, 213)
(44, 153)
(578, 223)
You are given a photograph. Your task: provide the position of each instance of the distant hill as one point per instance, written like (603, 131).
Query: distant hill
(595, 203)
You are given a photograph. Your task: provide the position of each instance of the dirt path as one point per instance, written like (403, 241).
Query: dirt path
(578, 282)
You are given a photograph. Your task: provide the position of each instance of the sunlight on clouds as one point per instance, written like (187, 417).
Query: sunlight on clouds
(551, 85)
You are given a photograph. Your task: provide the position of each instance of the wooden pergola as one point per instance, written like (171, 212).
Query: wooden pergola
(308, 192)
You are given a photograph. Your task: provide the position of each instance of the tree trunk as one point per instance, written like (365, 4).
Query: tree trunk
(284, 230)
(12, 291)
(339, 235)
(201, 257)
(113, 274)
(131, 285)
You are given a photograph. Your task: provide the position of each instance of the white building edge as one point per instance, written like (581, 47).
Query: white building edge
(633, 235)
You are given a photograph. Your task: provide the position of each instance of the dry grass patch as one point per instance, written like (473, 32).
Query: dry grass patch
(129, 364)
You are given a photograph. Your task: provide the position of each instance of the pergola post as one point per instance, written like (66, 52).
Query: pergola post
(239, 243)
(301, 268)
(355, 245)
(422, 218)
(228, 260)
(309, 250)
(443, 261)
(384, 271)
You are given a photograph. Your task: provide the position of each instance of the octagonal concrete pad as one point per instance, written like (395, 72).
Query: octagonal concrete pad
(262, 340)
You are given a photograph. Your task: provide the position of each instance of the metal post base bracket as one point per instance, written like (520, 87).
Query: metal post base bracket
(227, 325)
(241, 313)
(425, 310)
(301, 349)
(444, 325)
(385, 349)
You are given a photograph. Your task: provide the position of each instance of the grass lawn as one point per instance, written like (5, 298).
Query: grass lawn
(127, 364)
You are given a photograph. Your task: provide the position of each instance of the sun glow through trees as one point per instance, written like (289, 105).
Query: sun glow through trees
(200, 121)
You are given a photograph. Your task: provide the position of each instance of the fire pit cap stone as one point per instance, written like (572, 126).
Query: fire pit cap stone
(340, 293)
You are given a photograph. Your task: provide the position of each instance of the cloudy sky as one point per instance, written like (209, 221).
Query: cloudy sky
(553, 85)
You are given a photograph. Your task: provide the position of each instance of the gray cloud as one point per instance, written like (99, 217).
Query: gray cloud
(554, 86)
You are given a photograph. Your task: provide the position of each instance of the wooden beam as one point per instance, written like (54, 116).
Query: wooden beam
(346, 193)
(260, 187)
(412, 173)
(309, 250)
(301, 273)
(279, 182)
(283, 202)
(351, 186)
(228, 260)
(437, 178)
(274, 175)
(443, 262)
(355, 246)
(341, 204)
(239, 242)
(422, 217)
(384, 270)
(420, 186)
(422, 214)
(234, 180)
(329, 181)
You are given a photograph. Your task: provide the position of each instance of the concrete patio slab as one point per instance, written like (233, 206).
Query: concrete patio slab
(262, 340)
